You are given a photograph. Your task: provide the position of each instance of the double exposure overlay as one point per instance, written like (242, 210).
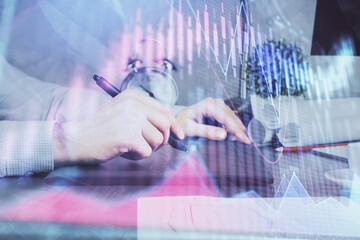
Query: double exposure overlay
(179, 119)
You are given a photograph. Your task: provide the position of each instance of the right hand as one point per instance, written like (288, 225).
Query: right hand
(132, 125)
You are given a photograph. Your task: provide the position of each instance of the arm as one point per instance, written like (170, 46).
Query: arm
(190, 120)
(24, 98)
(25, 147)
(131, 125)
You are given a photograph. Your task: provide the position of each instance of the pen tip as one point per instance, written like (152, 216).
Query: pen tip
(279, 149)
(96, 77)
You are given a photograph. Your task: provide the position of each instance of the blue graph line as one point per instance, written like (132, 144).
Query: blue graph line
(294, 181)
(225, 70)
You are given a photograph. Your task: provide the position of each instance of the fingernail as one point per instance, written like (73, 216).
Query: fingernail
(247, 140)
(244, 138)
(221, 134)
(181, 134)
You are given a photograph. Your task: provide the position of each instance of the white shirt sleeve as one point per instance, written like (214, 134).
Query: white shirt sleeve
(28, 110)
(25, 147)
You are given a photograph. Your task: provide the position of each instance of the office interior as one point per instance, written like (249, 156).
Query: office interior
(289, 69)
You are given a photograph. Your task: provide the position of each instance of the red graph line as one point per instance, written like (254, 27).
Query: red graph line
(232, 104)
(237, 113)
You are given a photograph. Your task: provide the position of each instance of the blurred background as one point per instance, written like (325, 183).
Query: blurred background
(67, 42)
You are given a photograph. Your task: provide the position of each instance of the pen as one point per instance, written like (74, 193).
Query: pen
(308, 148)
(113, 91)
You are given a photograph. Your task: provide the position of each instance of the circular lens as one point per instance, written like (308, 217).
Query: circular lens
(154, 83)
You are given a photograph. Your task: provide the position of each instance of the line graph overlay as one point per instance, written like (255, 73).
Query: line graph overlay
(248, 212)
(224, 71)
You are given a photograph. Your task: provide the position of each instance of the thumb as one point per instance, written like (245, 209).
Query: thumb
(177, 130)
(200, 130)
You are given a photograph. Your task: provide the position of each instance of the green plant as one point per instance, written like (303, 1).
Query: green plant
(277, 68)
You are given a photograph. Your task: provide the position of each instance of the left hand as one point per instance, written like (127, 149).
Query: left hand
(190, 120)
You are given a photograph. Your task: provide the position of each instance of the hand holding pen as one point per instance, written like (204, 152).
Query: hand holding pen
(133, 125)
(172, 139)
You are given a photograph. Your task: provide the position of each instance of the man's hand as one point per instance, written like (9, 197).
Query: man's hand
(190, 119)
(131, 124)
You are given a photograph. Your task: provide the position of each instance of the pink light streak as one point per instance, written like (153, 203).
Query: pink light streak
(237, 113)
(252, 35)
(180, 38)
(189, 42)
(233, 56)
(223, 27)
(198, 33)
(181, 43)
(66, 206)
(206, 27)
(159, 52)
(122, 48)
(246, 36)
(210, 47)
(138, 33)
(228, 96)
(238, 20)
(170, 41)
(216, 40)
(149, 45)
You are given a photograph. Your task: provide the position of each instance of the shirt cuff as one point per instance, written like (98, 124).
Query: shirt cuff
(26, 147)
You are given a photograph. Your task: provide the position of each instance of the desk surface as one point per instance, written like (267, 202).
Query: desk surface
(78, 208)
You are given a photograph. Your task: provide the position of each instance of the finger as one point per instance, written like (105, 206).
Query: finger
(223, 114)
(159, 115)
(241, 135)
(239, 129)
(239, 122)
(156, 112)
(217, 109)
(161, 121)
(234, 125)
(140, 149)
(153, 136)
(177, 129)
(153, 103)
(147, 102)
(194, 129)
(164, 121)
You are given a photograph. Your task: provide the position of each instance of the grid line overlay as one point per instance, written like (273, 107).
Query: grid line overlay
(25, 147)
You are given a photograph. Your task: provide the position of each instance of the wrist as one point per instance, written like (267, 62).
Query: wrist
(65, 145)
